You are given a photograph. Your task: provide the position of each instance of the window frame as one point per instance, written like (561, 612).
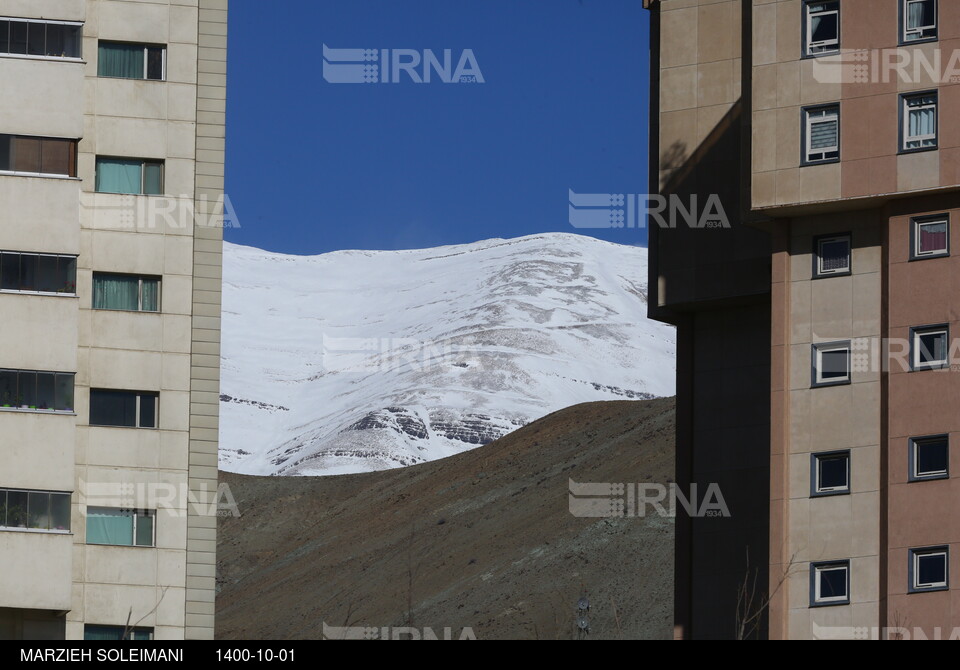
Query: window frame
(25, 528)
(18, 405)
(146, 60)
(805, 19)
(806, 135)
(918, 331)
(143, 173)
(134, 630)
(915, 223)
(46, 22)
(134, 514)
(913, 445)
(819, 273)
(816, 351)
(140, 278)
(902, 27)
(62, 294)
(904, 119)
(815, 458)
(815, 569)
(155, 395)
(913, 563)
(72, 157)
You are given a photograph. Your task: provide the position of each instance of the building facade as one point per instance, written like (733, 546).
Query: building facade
(817, 372)
(112, 127)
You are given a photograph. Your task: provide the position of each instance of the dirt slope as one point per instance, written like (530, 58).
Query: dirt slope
(483, 540)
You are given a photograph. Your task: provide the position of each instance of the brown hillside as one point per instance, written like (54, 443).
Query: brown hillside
(483, 539)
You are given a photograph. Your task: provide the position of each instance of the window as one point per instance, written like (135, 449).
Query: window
(918, 121)
(36, 156)
(929, 458)
(821, 28)
(930, 237)
(831, 256)
(821, 135)
(131, 61)
(38, 273)
(36, 391)
(929, 569)
(918, 21)
(105, 633)
(125, 409)
(929, 347)
(829, 583)
(129, 176)
(35, 510)
(831, 363)
(130, 293)
(43, 39)
(121, 527)
(830, 473)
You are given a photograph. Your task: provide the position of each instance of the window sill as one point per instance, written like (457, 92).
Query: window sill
(28, 410)
(125, 311)
(831, 604)
(49, 294)
(927, 478)
(925, 40)
(827, 494)
(56, 59)
(805, 163)
(97, 425)
(942, 254)
(11, 529)
(38, 175)
(136, 195)
(822, 54)
(928, 589)
(122, 546)
(105, 76)
(921, 150)
(820, 385)
(937, 366)
(848, 273)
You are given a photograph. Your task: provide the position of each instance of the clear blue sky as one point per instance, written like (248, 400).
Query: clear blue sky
(315, 167)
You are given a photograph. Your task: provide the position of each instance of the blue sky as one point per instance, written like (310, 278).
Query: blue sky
(315, 167)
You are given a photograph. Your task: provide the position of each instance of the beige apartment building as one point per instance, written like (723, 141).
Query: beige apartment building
(112, 122)
(818, 376)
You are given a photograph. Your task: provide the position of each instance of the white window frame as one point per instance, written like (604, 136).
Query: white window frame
(921, 31)
(826, 347)
(920, 223)
(915, 556)
(916, 334)
(829, 113)
(906, 108)
(820, 272)
(818, 599)
(72, 59)
(812, 48)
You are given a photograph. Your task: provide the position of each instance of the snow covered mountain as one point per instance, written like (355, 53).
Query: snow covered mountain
(354, 361)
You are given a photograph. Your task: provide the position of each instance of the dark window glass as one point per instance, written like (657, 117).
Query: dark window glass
(8, 388)
(824, 27)
(63, 41)
(932, 347)
(17, 506)
(4, 37)
(28, 272)
(155, 63)
(833, 583)
(36, 39)
(66, 277)
(833, 364)
(113, 408)
(18, 37)
(47, 274)
(55, 157)
(59, 511)
(64, 392)
(27, 388)
(932, 456)
(6, 160)
(833, 472)
(931, 569)
(148, 411)
(38, 510)
(46, 394)
(834, 255)
(10, 272)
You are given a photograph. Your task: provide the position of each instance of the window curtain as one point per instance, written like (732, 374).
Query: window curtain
(118, 176)
(823, 134)
(150, 298)
(116, 292)
(107, 526)
(933, 237)
(102, 633)
(120, 60)
(922, 122)
(833, 256)
(917, 15)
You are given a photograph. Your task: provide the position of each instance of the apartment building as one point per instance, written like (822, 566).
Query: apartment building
(817, 368)
(111, 182)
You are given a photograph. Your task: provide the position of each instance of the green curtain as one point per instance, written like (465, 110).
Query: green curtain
(120, 60)
(116, 292)
(118, 176)
(109, 526)
(150, 298)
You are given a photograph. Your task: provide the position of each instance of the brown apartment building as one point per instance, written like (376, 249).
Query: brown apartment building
(818, 378)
